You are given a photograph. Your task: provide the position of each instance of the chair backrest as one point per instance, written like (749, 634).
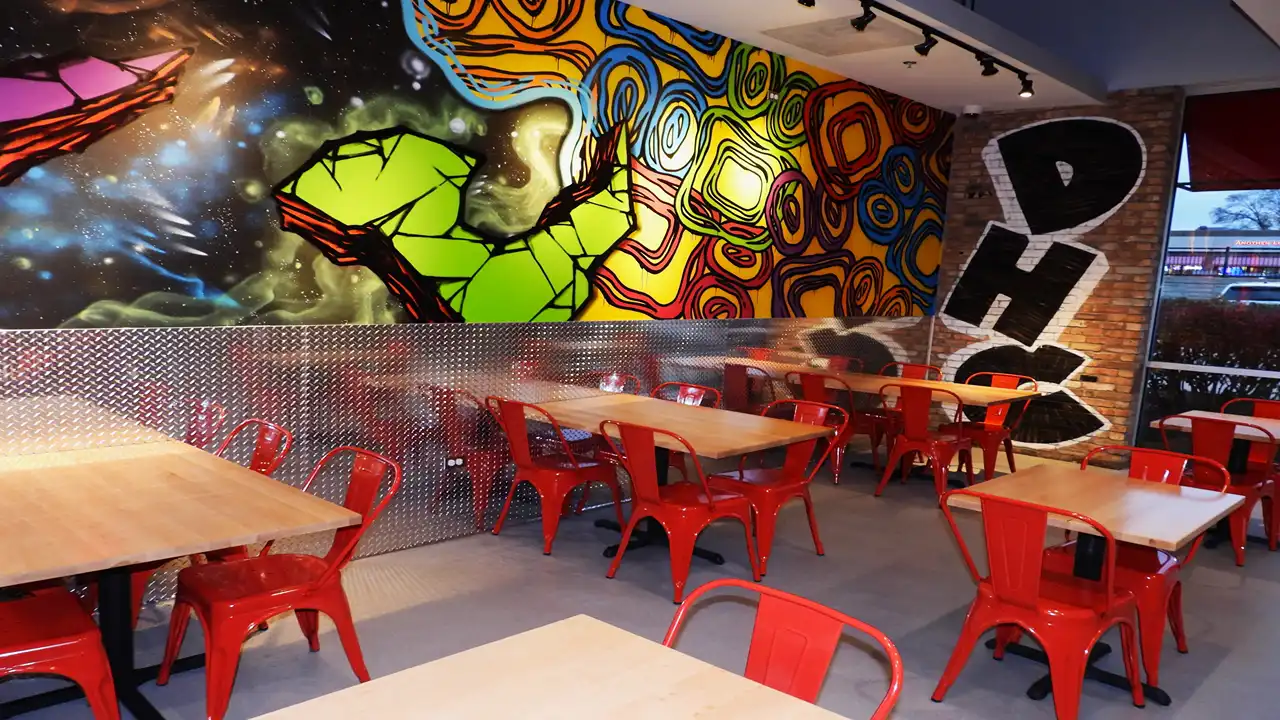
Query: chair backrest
(616, 382)
(914, 404)
(634, 446)
(998, 413)
(513, 417)
(738, 385)
(1213, 438)
(814, 386)
(368, 469)
(800, 459)
(1258, 408)
(270, 446)
(1014, 534)
(688, 394)
(462, 434)
(793, 641)
(1163, 466)
(912, 371)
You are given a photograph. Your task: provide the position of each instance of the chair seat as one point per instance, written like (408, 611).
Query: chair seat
(1133, 562)
(1064, 595)
(688, 495)
(562, 463)
(227, 582)
(47, 618)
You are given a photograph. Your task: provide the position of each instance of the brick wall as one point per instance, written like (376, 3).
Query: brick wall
(1054, 228)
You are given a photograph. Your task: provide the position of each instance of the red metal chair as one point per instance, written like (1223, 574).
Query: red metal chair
(231, 599)
(742, 384)
(613, 381)
(1151, 575)
(49, 633)
(683, 509)
(994, 429)
(270, 446)
(912, 371)
(1258, 408)
(915, 437)
(554, 476)
(793, 641)
(481, 459)
(687, 394)
(1065, 614)
(816, 387)
(768, 489)
(1212, 438)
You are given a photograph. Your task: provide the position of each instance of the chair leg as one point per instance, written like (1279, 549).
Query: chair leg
(813, 525)
(1151, 627)
(969, 636)
(990, 450)
(877, 436)
(1239, 524)
(1269, 523)
(339, 611)
(506, 507)
(895, 457)
(95, 680)
(552, 506)
(1175, 618)
(837, 462)
(1129, 648)
(616, 490)
(178, 621)
(1067, 663)
(766, 522)
(753, 552)
(222, 657)
(681, 547)
(1008, 453)
(939, 471)
(138, 581)
(309, 622)
(481, 488)
(1006, 635)
(629, 528)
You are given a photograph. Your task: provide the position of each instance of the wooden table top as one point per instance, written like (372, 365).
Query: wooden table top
(713, 433)
(76, 511)
(575, 669)
(866, 383)
(1243, 433)
(1134, 511)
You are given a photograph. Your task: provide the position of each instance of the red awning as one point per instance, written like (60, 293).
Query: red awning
(1232, 142)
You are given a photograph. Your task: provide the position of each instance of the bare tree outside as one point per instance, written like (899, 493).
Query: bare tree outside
(1254, 210)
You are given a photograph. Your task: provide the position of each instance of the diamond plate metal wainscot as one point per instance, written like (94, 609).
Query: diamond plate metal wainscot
(411, 391)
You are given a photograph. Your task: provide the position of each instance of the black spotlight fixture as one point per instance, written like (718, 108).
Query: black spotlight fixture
(988, 64)
(861, 22)
(806, 3)
(929, 41)
(1028, 90)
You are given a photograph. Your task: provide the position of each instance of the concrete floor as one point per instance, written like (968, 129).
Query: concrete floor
(890, 561)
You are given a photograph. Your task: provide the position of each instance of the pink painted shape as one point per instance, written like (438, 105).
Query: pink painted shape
(150, 62)
(25, 98)
(94, 78)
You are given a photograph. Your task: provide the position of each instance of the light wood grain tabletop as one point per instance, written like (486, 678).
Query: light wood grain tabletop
(76, 511)
(1140, 512)
(713, 433)
(865, 383)
(1183, 424)
(575, 669)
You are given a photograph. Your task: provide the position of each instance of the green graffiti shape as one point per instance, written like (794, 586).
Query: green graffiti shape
(393, 201)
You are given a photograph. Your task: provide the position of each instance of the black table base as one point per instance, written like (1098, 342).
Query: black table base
(115, 621)
(1042, 688)
(649, 533)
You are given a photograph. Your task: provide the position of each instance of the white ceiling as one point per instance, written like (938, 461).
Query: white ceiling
(948, 78)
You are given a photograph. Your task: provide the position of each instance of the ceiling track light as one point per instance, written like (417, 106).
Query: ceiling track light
(929, 42)
(988, 64)
(861, 22)
(1028, 89)
(991, 65)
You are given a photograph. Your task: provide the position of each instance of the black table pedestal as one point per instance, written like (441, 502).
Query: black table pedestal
(649, 532)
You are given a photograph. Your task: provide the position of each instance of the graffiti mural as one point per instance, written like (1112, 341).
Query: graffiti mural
(1030, 273)
(212, 162)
